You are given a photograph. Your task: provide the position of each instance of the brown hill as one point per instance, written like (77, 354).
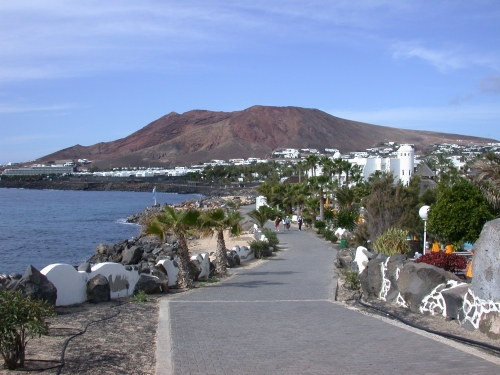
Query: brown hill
(198, 136)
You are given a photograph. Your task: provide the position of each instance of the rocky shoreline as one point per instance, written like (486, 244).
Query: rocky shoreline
(134, 186)
(144, 252)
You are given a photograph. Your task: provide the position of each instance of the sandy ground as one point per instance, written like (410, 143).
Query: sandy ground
(209, 244)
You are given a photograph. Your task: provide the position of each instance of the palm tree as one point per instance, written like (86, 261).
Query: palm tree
(346, 167)
(327, 166)
(311, 207)
(288, 197)
(299, 166)
(356, 173)
(301, 192)
(318, 185)
(487, 178)
(266, 190)
(311, 161)
(262, 215)
(179, 222)
(338, 167)
(345, 197)
(216, 222)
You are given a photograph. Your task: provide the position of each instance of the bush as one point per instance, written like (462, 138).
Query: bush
(392, 242)
(448, 262)
(21, 319)
(140, 296)
(319, 224)
(272, 237)
(327, 233)
(259, 248)
(346, 219)
(352, 280)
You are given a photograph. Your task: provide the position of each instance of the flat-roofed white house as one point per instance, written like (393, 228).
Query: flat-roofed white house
(402, 166)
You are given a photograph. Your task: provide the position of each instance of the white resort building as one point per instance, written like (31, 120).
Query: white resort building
(402, 165)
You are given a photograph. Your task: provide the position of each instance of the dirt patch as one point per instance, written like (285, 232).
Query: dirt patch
(121, 341)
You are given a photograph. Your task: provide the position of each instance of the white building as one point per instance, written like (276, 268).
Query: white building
(402, 165)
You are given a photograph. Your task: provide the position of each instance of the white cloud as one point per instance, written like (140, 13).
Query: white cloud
(445, 59)
(56, 38)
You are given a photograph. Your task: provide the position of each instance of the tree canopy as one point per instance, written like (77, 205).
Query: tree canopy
(459, 213)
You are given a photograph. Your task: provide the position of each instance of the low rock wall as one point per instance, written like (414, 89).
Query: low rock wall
(422, 288)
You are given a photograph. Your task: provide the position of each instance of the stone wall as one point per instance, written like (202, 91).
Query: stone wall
(423, 289)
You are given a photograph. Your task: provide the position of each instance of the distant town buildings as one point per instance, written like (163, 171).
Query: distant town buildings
(386, 157)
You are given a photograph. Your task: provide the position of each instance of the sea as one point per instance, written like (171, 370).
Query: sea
(42, 227)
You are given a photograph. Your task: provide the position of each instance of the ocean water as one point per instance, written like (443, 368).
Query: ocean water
(42, 227)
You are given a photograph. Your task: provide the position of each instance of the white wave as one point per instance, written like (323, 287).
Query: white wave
(124, 221)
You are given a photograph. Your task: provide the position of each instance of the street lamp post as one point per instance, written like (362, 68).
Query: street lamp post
(424, 210)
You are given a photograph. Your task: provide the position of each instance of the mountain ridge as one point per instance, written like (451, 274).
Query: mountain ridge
(197, 136)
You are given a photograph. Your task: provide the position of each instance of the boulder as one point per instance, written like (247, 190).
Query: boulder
(394, 265)
(194, 269)
(15, 276)
(132, 255)
(203, 261)
(371, 279)
(36, 285)
(244, 253)
(85, 267)
(362, 257)
(418, 280)
(490, 324)
(98, 289)
(344, 258)
(486, 266)
(454, 300)
(160, 273)
(103, 248)
(233, 259)
(148, 284)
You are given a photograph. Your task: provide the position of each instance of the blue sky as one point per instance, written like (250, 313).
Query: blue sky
(82, 72)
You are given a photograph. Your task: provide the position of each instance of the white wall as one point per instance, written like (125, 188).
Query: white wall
(71, 284)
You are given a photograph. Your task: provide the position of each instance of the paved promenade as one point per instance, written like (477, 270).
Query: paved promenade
(281, 318)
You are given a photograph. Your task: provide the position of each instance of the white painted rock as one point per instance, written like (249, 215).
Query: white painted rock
(361, 258)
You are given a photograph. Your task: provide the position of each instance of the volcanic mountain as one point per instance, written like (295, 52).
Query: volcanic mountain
(198, 136)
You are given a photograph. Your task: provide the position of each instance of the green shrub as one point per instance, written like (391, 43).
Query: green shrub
(21, 319)
(393, 241)
(259, 248)
(140, 296)
(328, 234)
(271, 236)
(347, 219)
(333, 238)
(352, 280)
(319, 224)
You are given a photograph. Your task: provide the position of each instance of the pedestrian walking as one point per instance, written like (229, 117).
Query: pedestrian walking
(287, 223)
(299, 222)
(277, 224)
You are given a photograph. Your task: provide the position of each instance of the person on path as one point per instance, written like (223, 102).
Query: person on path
(287, 223)
(277, 224)
(299, 222)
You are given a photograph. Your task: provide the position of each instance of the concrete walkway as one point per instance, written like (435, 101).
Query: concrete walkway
(281, 318)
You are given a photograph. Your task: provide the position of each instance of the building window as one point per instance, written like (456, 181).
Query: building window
(402, 173)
